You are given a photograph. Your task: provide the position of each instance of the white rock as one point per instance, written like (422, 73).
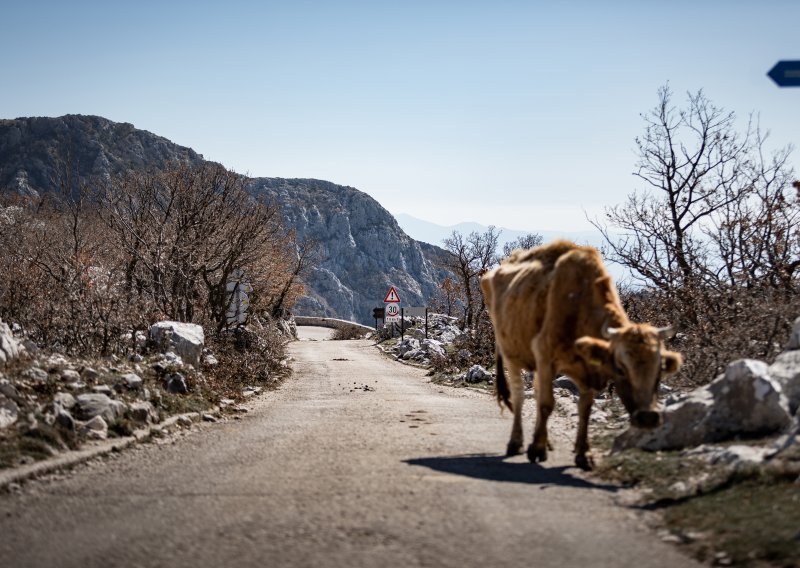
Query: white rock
(95, 429)
(476, 374)
(9, 346)
(794, 338)
(743, 401)
(786, 371)
(90, 405)
(185, 338)
(9, 412)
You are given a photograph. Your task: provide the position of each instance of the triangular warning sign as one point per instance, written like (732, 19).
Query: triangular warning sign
(391, 296)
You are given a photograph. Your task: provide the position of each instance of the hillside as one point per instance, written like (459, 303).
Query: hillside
(363, 250)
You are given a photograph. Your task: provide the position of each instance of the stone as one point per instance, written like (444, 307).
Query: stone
(186, 339)
(64, 400)
(210, 360)
(64, 420)
(477, 374)
(142, 412)
(10, 348)
(132, 381)
(89, 406)
(737, 455)
(744, 401)
(70, 375)
(176, 383)
(9, 412)
(89, 374)
(103, 389)
(794, 338)
(786, 371)
(432, 347)
(35, 374)
(95, 429)
(9, 390)
(405, 345)
(566, 383)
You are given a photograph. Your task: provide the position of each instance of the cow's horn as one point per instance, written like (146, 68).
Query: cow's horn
(666, 332)
(608, 332)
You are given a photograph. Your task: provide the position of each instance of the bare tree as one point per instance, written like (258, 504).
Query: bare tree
(523, 242)
(470, 256)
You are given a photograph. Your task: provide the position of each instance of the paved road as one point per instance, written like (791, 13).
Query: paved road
(356, 461)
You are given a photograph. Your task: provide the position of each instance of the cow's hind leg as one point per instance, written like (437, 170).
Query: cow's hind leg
(517, 388)
(582, 458)
(543, 385)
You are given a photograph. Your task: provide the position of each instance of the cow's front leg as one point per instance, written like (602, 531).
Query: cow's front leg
(582, 458)
(537, 451)
(517, 388)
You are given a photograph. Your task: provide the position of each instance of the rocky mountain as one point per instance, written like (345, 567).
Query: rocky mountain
(31, 150)
(363, 250)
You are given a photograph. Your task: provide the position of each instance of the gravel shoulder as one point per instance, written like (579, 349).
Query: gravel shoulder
(355, 461)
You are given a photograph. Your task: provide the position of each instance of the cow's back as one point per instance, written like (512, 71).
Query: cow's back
(516, 293)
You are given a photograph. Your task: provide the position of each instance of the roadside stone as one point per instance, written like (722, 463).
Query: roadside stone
(566, 383)
(89, 374)
(9, 412)
(406, 345)
(142, 412)
(9, 390)
(742, 401)
(95, 429)
(64, 400)
(89, 406)
(432, 347)
(76, 386)
(103, 389)
(209, 417)
(786, 371)
(176, 383)
(70, 375)
(132, 381)
(35, 374)
(250, 391)
(10, 348)
(477, 374)
(63, 419)
(186, 339)
(210, 360)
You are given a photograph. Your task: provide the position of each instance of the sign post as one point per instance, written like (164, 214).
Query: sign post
(392, 301)
(786, 73)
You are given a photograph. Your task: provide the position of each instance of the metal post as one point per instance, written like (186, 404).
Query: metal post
(426, 322)
(402, 324)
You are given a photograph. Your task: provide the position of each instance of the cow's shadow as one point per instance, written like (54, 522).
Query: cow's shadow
(496, 468)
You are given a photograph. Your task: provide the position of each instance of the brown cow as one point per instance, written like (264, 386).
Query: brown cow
(555, 310)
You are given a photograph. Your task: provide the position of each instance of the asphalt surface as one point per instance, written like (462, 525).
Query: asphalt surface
(356, 461)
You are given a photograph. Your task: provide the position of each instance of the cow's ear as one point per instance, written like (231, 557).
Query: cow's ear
(596, 352)
(671, 361)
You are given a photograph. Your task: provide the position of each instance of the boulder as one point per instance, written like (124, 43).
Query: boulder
(95, 429)
(186, 339)
(176, 384)
(64, 400)
(745, 401)
(9, 412)
(405, 345)
(132, 381)
(35, 374)
(432, 347)
(477, 374)
(786, 371)
(63, 419)
(89, 406)
(70, 375)
(9, 346)
(142, 412)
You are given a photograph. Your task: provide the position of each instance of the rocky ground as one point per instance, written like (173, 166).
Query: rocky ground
(51, 404)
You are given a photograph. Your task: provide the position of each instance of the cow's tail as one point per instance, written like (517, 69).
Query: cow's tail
(501, 386)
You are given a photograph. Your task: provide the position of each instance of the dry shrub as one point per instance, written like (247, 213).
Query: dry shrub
(248, 356)
(348, 332)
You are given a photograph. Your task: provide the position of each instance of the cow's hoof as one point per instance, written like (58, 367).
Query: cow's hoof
(586, 463)
(537, 455)
(513, 448)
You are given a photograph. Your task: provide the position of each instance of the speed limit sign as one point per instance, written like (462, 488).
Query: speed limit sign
(392, 310)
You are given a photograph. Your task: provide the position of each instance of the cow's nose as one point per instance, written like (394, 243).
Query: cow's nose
(648, 419)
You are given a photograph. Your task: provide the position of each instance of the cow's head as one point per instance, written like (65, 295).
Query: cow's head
(634, 357)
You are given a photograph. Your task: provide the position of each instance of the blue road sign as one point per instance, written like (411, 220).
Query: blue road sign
(786, 73)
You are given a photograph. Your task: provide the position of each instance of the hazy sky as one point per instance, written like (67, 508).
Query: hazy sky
(521, 114)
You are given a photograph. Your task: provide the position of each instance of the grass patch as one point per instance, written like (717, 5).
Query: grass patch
(750, 523)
